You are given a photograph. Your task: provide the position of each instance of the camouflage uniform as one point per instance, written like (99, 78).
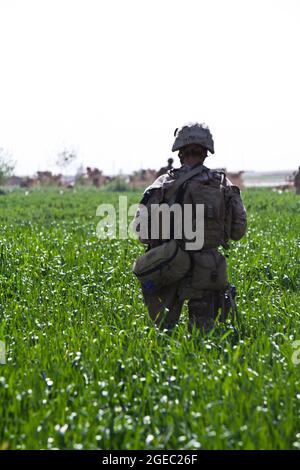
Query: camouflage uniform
(204, 305)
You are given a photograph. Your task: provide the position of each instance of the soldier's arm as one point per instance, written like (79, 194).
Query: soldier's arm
(237, 212)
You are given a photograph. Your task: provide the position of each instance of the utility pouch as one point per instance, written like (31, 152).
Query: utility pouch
(161, 266)
(209, 273)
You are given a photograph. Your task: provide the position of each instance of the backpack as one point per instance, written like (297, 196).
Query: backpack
(211, 194)
(168, 262)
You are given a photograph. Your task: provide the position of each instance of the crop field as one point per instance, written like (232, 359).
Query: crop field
(86, 369)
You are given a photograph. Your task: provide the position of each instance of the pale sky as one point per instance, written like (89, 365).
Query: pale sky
(113, 79)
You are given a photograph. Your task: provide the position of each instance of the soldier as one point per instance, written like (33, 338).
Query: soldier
(205, 285)
(165, 169)
(297, 181)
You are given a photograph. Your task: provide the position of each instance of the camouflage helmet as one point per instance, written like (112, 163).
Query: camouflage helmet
(193, 133)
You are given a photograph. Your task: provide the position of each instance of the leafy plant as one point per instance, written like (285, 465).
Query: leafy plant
(6, 166)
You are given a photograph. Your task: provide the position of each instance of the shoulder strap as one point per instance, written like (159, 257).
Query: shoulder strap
(179, 182)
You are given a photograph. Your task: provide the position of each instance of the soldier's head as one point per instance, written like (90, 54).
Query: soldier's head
(170, 162)
(192, 154)
(193, 141)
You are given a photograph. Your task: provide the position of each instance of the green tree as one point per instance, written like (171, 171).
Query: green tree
(6, 165)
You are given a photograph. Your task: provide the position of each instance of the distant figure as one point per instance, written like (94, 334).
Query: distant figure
(297, 181)
(165, 169)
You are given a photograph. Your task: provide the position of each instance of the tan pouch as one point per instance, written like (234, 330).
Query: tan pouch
(208, 273)
(161, 266)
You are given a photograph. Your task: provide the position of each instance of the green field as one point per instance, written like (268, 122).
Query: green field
(85, 368)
